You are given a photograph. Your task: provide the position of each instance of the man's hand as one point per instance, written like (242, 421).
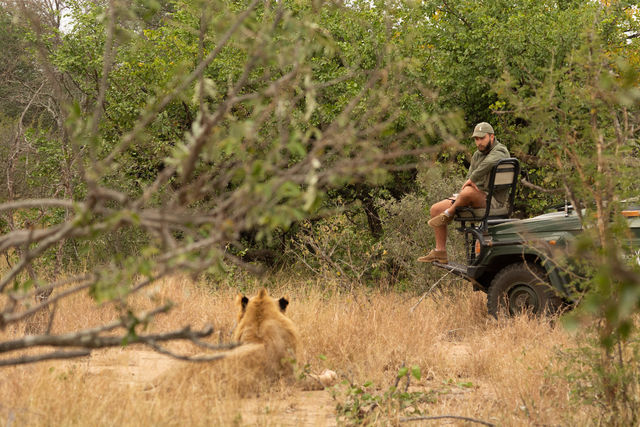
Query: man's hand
(470, 183)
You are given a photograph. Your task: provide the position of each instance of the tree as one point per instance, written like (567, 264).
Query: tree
(238, 148)
(587, 109)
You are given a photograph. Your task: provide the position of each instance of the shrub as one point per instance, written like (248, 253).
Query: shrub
(407, 235)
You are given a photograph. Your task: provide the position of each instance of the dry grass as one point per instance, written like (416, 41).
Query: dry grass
(475, 366)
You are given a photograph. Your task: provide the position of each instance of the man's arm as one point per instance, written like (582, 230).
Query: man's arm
(470, 183)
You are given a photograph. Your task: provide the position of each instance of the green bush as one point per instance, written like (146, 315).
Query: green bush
(342, 248)
(407, 235)
(338, 248)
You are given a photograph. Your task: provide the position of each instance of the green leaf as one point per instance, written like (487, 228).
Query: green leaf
(402, 372)
(415, 372)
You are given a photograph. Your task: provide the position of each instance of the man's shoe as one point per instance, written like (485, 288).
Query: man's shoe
(440, 220)
(435, 256)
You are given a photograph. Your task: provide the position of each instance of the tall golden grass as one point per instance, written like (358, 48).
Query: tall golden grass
(497, 371)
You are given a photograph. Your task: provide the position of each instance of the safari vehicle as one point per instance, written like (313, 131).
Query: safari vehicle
(512, 260)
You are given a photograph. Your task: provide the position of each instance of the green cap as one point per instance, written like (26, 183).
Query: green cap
(481, 130)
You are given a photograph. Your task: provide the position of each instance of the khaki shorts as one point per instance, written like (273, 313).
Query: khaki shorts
(494, 203)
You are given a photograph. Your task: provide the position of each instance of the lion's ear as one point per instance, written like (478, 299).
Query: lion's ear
(283, 303)
(241, 302)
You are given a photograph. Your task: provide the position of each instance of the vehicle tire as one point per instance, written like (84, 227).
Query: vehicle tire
(520, 288)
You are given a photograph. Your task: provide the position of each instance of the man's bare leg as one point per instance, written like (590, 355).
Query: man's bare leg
(468, 196)
(440, 232)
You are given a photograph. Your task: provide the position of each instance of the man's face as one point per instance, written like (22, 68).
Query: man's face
(483, 144)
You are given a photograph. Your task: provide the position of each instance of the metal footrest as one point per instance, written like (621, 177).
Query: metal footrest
(454, 267)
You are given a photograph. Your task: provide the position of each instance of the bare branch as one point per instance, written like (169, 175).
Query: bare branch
(63, 232)
(36, 203)
(47, 356)
(527, 184)
(412, 309)
(5, 320)
(442, 417)
(90, 340)
(107, 63)
(211, 358)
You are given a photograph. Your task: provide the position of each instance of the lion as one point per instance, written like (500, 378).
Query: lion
(268, 337)
(269, 351)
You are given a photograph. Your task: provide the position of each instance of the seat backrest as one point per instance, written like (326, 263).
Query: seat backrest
(503, 182)
(502, 191)
(505, 172)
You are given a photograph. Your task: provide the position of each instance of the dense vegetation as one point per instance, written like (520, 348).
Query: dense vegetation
(150, 136)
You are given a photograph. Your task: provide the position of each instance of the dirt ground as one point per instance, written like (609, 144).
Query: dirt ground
(469, 365)
(138, 368)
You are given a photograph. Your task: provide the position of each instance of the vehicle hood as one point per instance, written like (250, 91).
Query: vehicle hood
(548, 223)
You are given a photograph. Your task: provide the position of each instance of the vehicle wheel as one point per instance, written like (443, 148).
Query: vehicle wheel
(520, 288)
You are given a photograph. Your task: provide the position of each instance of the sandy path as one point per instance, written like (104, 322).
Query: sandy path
(139, 368)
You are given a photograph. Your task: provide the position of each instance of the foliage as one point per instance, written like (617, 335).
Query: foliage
(338, 249)
(182, 137)
(587, 109)
(364, 405)
(590, 108)
(607, 381)
(406, 232)
(341, 248)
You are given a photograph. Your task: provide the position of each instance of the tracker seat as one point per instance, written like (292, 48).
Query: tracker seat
(502, 191)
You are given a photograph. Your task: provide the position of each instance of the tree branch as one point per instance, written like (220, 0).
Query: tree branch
(440, 417)
(90, 340)
(36, 203)
(166, 352)
(5, 320)
(527, 184)
(47, 356)
(456, 14)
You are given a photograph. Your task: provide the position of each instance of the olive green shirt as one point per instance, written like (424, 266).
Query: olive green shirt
(481, 165)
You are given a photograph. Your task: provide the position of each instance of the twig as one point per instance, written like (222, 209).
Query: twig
(52, 286)
(528, 184)
(6, 319)
(36, 203)
(166, 352)
(48, 356)
(456, 14)
(398, 378)
(430, 289)
(440, 417)
(36, 252)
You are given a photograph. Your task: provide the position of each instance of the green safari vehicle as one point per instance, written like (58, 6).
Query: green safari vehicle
(512, 260)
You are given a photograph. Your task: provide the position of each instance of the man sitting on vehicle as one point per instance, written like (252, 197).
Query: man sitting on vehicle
(473, 193)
